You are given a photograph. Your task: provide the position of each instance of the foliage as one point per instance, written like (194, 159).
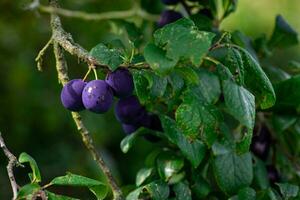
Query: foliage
(212, 90)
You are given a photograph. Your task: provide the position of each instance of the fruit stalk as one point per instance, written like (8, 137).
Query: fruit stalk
(61, 67)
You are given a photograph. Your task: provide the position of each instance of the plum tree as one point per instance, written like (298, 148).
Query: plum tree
(129, 110)
(170, 2)
(71, 95)
(97, 96)
(168, 16)
(121, 82)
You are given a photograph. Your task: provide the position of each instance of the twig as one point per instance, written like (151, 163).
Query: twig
(12, 161)
(61, 67)
(99, 16)
(66, 41)
(39, 58)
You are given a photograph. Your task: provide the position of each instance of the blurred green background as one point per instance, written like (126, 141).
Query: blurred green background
(31, 116)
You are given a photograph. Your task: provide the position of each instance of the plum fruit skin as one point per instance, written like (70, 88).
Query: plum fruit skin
(121, 82)
(273, 174)
(151, 121)
(170, 2)
(129, 110)
(71, 95)
(129, 128)
(97, 96)
(168, 16)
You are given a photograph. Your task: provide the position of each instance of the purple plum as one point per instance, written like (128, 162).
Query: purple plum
(129, 110)
(129, 128)
(97, 96)
(170, 2)
(167, 17)
(71, 95)
(152, 121)
(121, 82)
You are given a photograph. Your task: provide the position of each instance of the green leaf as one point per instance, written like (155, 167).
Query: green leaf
(157, 85)
(257, 81)
(182, 40)
(141, 85)
(200, 187)
(36, 175)
(107, 56)
(283, 35)
(194, 151)
(288, 95)
(260, 174)
(288, 190)
(52, 196)
(142, 175)
(247, 194)
(157, 59)
(197, 119)
(240, 103)
(209, 86)
(275, 74)
(182, 191)
(188, 74)
(98, 188)
(134, 195)
(233, 171)
(283, 122)
(128, 141)
(27, 191)
(168, 165)
(158, 190)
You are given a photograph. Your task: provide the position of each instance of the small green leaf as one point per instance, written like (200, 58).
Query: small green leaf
(283, 35)
(240, 103)
(288, 190)
(182, 191)
(134, 195)
(52, 196)
(233, 171)
(283, 122)
(156, 57)
(36, 175)
(200, 187)
(288, 95)
(168, 165)
(247, 194)
(182, 40)
(27, 191)
(260, 174)
(106, 56)
(194, 151)
(142, 175)
(158, 190)
(128, 141)
(257, 81)
(188, 74)
(197, 119)
(209, 86)
(141, 85)
(98, 188)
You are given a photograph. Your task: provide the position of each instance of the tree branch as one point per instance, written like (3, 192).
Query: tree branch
(12, 161)
(134, 12)
(61, 67)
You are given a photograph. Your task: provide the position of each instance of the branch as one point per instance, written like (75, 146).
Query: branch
(65, 40)
(12, 161)
(134, 12)
(61, 67)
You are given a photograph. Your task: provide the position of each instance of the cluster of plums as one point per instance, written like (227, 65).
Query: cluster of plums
(169, 16)
(97, 96)
(260, 146)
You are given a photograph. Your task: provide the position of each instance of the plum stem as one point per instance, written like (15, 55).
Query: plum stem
(61, 67)
(87, 73)
(95, 73)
